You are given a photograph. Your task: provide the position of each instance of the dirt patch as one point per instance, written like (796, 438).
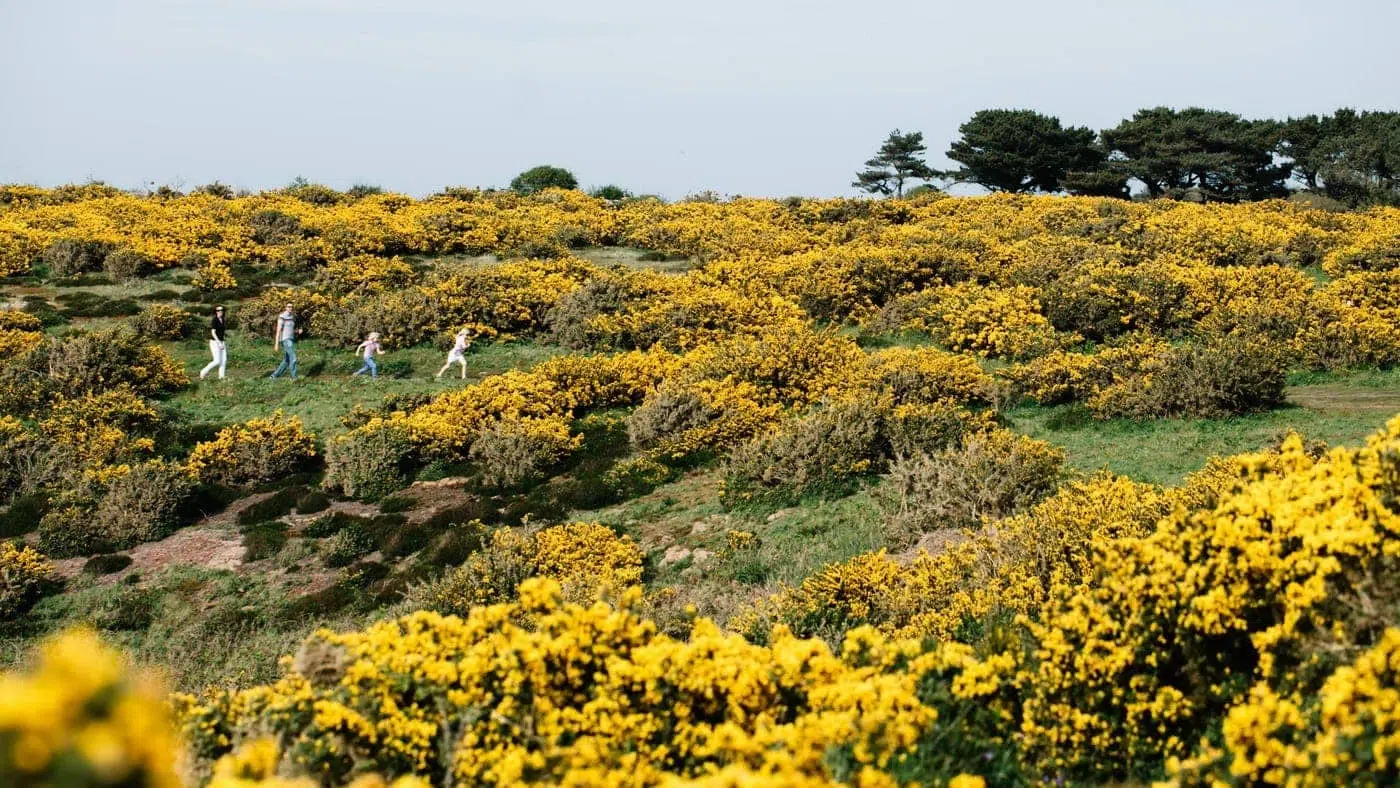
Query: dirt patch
(211, 548)
(1342, 399)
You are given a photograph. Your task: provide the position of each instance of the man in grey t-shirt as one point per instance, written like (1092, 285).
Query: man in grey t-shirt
(284, 337)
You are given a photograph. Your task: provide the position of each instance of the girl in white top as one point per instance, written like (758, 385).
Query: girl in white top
(369, 349)
(457, 354)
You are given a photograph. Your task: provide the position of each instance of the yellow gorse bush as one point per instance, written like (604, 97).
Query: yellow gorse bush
(78, 718)
(25, 575)
(585, 695)
(256, 450)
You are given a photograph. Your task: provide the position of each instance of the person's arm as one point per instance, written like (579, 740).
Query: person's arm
(277, 331)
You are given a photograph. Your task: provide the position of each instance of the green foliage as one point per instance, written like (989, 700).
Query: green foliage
(609, 192)
(143, 505)
(1021, 150)
(68, 257)
(23, 514)
(349, 543)
(272, 227)
(106, 564)
(991, 475)
(124, 265)
(543, 177)
(899, 160)
(821, 453)
(397, 503)
(275, 506)
(330, 524)
(1214, 379)
(369, 464)
(263, 540)
(313, 502)
(1212, 154)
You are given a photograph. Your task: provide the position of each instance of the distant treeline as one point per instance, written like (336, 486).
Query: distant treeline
(1350, 156)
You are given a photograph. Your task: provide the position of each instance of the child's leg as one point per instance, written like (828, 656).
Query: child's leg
(463, 362)
(373, 367)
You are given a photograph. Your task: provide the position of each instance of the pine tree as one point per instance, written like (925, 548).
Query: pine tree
(900, 159)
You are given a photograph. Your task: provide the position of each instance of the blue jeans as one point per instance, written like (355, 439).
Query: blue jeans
(369, 365)
(289, 359)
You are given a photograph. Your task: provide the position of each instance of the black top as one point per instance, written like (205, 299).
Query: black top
(217, 323)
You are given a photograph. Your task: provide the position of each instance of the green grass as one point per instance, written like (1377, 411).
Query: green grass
(1338, 409)
(325, 389)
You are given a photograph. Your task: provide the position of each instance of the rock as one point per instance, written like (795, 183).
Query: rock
(450, 481)
(699, 527)
(700, 555)
(674, 555)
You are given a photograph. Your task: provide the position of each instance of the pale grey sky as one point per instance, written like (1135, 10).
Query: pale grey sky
(753, 97)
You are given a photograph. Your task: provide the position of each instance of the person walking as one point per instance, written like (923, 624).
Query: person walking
(218, 350)
(284, 337)
(369, 349)
(457, 355)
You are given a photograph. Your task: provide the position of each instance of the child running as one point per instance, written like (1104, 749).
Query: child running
(457, 354)
(369, 349)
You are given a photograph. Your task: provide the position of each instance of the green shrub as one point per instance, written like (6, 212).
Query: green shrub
(162, 321)
(636, 476)
(332, 523)
(85, 361)
(127, 609)
(460, 543)
(543, 177)
(124, 264)
(86, 304)
(369, 463)
(991, 475)
(143, 505)
(39, 307)
(1226, 376)
(68, 530)
(273, 507)
(66, 257)
(568, 318)
(397, 503)
(313, 502)
(349, 543)
(274, 228)
(164, 294)
(23, 514)
(21, 452)
(820, 453)
(263, 540)
(492, 575)
(670, 411)
(106, 564)
(406, 540)
(513, 452)
(931, 428)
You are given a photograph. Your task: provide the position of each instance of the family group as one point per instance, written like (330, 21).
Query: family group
(284, 338)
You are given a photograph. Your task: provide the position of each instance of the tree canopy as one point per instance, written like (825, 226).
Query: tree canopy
(1021, 150)
(1214, 154)
(543, 177)
(899, 160)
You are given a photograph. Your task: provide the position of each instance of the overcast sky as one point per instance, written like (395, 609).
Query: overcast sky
(753, 97)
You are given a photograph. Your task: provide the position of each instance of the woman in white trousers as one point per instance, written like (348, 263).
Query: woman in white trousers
(218, 347)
